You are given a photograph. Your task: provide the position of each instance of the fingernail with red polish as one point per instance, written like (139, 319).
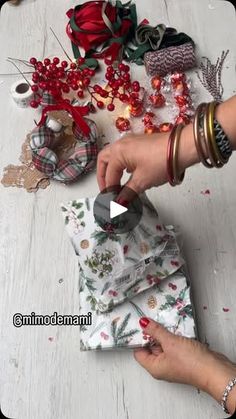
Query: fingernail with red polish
(144, 322)
(122, 202)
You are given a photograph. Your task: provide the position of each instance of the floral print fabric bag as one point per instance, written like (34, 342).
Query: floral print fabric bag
(120, 266)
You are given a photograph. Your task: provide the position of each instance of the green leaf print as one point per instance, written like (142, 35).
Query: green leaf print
(120, 338)
(77, 205)
(102, 236)
(64, 209)
(170, 300)
(87, 203)
(80, 215)
(137, 309)
(66, 220)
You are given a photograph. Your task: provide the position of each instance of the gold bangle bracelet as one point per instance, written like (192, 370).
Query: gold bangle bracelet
(178, 179)
(198, 136)
(220, 159)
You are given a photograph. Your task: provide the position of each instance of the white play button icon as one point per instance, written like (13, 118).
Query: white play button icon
(116, 209)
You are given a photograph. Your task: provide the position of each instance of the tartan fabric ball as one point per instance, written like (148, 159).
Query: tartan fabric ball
(81, 161)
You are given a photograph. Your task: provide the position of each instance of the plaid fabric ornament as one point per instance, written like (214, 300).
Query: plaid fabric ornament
(82, 159)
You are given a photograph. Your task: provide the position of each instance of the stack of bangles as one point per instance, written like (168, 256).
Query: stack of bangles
(212, 144)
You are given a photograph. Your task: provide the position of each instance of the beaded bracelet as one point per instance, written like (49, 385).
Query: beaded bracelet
(228, 389)
(210, 139)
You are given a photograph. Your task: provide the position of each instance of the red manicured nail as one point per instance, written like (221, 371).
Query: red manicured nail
(122, 202)
(144, 322)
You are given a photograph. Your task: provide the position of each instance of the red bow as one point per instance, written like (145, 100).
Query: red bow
(75, 111)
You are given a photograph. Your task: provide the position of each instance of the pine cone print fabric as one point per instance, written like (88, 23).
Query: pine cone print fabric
(170, 305)
(120, 266)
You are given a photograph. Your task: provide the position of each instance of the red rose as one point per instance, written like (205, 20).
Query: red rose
(95, 22)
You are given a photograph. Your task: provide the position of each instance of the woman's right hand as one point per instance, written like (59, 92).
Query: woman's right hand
(144, 157)
(183, 360)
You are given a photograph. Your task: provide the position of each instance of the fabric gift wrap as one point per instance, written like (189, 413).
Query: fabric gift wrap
(119, 266)
(168, 303)
(127, 276)
(176, 58)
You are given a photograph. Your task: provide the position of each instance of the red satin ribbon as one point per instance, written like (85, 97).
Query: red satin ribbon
(75, 111)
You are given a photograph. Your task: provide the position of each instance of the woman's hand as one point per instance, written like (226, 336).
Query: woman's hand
(182, 360)
(144, 156)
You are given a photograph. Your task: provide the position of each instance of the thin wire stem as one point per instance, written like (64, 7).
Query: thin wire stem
(63, 49)
(16, 74)
(21, 61)
(12, 62)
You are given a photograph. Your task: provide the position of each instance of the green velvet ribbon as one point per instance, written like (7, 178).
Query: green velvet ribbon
(149, 38)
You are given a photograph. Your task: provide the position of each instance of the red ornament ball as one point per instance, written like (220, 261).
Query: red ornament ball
(122, 124)
(157, 100)
(156, 83)
(151, 129)
(165, 127)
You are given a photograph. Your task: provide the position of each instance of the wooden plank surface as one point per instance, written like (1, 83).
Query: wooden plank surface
(50, 378)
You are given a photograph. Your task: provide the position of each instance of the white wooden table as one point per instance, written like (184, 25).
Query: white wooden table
(42, 378)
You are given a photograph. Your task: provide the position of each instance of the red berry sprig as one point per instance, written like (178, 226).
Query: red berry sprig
(58, 77)
(119, 86)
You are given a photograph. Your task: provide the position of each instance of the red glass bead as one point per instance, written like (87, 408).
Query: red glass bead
(86, 81)
(110, 69)
(35, 76)
(156, 82)
(33, 61)
(81, 61)
(34, 104)
(56, 60)
(121, 67)
(108, 76)
(136, 86)
(108, 61)
(127, 68)
(103, 93)
(73, 66)
(124, 97)
(177, 77)
(91, 72)
(74, 86)
(97, 88)
(34, 88)
(123, 124)
(47, 61)
(126, 77)
(64, 64)
(157, 100)
(60, 74)
(100, 104)
(111, 107)
(65, 88)
(165, 127)
(85, 71)
(43, 85)
(80, 94)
